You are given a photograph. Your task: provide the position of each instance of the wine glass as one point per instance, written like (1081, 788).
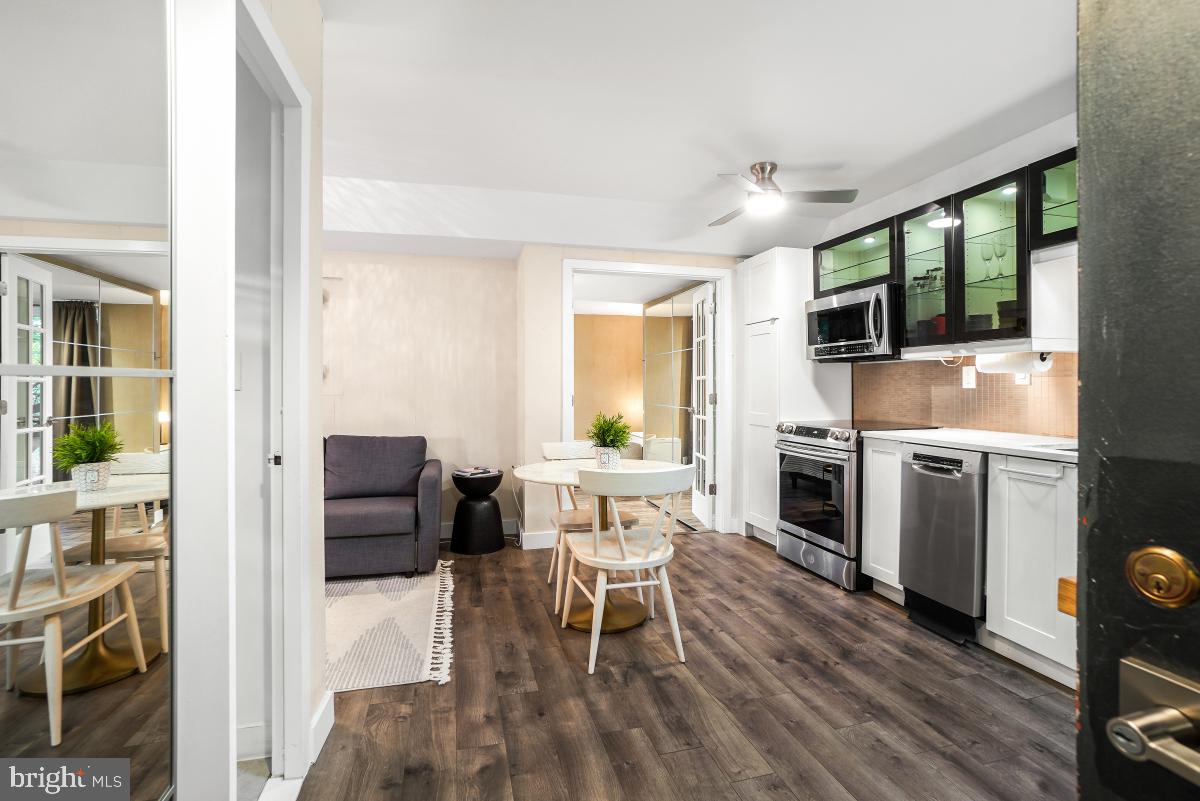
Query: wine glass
(987, 251)
(1001, 249)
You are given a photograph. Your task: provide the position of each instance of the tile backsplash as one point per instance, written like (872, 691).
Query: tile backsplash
(931, 393)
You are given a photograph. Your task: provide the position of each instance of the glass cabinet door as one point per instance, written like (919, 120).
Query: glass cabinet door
(991, 258)
(1054, 216)
(924, 241)
(856, 259)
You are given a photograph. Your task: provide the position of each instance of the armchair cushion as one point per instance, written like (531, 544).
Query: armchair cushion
(372, 467)
(366, 517)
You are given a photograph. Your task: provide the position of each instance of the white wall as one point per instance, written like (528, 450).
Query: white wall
(251, 418)
(1037, 144)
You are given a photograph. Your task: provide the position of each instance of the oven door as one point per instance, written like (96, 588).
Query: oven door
(816, 496)
(852, 325)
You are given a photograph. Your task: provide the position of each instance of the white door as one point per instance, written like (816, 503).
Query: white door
(1032, 541)
(25, 438)
(703, 404)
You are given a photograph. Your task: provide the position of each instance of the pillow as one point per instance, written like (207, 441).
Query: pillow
(372, 467)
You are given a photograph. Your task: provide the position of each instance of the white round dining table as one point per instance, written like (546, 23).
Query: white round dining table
(620, 612)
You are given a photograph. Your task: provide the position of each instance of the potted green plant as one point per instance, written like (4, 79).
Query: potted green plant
(609, 435)
(86, 452)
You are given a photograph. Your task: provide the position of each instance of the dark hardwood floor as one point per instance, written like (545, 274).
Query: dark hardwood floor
(792, 690)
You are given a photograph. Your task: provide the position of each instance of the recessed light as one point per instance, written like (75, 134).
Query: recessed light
(1008, 190)
(870, 240)
(943, 222)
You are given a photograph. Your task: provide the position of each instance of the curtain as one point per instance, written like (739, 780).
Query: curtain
(76, 341)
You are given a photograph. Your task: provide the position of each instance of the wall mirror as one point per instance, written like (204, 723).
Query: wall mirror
(85, 388)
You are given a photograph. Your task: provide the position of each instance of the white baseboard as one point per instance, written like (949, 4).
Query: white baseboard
(892, 593)
(510, 526)
(280, 789)
(534, 540)
(322, 724)
(1023, 656)
(252, 742)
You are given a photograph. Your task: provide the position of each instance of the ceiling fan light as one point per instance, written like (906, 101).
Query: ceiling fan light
(764, 203)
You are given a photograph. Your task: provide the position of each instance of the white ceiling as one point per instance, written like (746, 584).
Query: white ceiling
(83, 132)
(625, 287)
(605, 123)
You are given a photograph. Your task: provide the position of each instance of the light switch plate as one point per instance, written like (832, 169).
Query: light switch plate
(969, 377)
(1021, 379)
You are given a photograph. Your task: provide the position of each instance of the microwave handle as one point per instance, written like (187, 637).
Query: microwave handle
(871, 319)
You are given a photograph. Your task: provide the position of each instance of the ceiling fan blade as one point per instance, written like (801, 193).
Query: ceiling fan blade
(735, 213)
(740, 181)
(824, 196)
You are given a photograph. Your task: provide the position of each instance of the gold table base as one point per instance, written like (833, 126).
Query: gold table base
(621, 613)
(94, 665)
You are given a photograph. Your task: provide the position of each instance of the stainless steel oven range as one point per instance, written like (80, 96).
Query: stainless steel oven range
(820, 496)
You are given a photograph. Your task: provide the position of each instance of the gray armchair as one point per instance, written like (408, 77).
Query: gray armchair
(383, 506)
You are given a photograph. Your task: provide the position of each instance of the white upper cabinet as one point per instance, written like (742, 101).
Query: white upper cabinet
(762, 372)
(881, 469)
(1032, 540)
(762, 287)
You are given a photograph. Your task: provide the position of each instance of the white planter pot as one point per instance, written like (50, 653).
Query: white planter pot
(608, 458)
(91, 477)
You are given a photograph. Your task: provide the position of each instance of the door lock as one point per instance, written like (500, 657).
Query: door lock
(1163, 576)
(1158, 721)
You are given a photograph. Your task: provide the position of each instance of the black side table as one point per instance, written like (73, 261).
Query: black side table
(477, 524)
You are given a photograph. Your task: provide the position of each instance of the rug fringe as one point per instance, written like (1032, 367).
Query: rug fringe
(441, 652)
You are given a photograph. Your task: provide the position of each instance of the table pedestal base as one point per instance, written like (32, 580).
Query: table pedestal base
(94, 665)
(621, 613)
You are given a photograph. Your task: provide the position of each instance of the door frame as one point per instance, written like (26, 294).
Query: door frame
(723, 280)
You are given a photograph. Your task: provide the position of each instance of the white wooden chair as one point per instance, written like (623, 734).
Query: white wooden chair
(618, 550)
(149, 546)
(30, 594)
(569, 519)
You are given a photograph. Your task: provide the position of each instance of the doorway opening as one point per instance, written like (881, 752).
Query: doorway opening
(645, 341)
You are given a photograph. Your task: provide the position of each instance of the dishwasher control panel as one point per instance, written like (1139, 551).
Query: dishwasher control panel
(937, 461)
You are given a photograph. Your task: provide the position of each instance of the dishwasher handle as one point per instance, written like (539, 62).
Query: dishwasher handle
(936, 470)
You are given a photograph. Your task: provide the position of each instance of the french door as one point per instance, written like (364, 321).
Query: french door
(703, 404)
(26, 312)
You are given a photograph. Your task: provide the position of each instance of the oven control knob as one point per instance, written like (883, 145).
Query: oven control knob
(842, 436)
(788, 429)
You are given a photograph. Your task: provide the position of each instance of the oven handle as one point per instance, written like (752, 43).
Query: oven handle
(833, 456)
(871, 319)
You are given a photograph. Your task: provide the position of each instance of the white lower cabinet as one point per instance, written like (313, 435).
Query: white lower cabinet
(1031, 543)
(762, 479)
(881, 510)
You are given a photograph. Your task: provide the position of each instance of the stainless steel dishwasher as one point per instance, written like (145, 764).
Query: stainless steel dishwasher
(941, 525)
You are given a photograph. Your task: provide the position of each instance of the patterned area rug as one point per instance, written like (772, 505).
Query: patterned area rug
(389, 630)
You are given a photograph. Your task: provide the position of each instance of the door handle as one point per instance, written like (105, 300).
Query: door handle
(871, 319)
(940, 472)
(1156, 730)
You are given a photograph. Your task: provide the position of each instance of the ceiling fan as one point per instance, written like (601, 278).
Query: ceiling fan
(763, 195)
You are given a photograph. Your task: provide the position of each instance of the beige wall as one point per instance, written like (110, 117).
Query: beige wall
(539, 349)
(608, 369)
(128, 327)
(425, 345)
(301, 27)
(74, 230)
(929, 393)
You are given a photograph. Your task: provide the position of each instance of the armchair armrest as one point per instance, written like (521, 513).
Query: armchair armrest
(429, 515)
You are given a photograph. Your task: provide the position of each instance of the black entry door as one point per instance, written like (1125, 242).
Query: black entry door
(1139, 158)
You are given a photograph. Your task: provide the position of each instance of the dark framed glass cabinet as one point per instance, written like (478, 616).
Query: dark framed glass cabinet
(990, 260)
(1054, 211)
(924, 246)
(857, 259)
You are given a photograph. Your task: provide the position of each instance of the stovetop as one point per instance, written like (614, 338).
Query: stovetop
(839, 434)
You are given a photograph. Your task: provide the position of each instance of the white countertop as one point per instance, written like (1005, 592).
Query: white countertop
(1027, 445)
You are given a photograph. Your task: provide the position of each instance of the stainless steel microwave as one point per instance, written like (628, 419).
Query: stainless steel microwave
(859, 325)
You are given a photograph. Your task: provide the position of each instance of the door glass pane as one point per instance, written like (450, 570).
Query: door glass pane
(22, 346)
(22, 405)
(35, 454)
(1060, 198)
(925, 275)
(990, 273)
(35, 304)
(861, 259)
(36, 388)
(23, 301)
(36, 338)
(812, 495)
(22, 454)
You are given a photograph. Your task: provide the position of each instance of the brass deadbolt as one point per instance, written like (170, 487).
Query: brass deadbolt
(1163, 576)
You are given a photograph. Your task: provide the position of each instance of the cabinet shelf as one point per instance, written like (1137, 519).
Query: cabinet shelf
(854, 266)
(971, 239)
(941, 290)
(989, 283)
